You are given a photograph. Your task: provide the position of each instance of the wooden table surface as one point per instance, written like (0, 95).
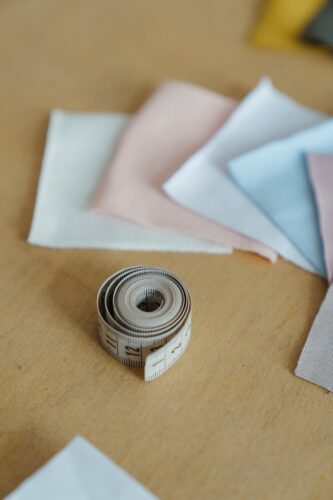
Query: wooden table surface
(231, 420)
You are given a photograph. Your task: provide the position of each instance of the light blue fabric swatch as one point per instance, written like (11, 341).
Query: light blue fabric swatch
(275, 177)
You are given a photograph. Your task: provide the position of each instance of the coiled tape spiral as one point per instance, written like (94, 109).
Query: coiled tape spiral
(145, 318)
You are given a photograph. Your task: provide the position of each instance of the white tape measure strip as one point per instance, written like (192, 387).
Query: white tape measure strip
(144, 318)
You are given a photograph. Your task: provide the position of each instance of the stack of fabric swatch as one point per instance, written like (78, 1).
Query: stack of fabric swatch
(286, 24)
(193, 170)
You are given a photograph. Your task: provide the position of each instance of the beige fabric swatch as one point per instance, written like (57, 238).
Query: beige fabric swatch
(321, 176)
(316, 361)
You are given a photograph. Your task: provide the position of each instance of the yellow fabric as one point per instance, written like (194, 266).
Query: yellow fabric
(282, 21)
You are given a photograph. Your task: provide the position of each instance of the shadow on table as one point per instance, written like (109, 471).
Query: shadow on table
(74, 291)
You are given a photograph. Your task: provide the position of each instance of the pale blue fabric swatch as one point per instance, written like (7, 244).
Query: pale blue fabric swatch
(275, 177)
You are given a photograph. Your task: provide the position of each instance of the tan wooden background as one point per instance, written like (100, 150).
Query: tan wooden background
(231, 420)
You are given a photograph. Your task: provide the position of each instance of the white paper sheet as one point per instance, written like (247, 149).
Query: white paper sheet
(78, 148)
(80, 472)
(202, 184)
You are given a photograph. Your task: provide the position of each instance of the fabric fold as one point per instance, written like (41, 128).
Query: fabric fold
(203, 184)
(275, 177)
(321, 176)
(176, 120)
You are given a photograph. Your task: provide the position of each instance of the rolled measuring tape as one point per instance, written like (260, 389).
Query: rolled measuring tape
(144, 318)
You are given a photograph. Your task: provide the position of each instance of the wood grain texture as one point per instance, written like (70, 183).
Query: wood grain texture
(230, 420)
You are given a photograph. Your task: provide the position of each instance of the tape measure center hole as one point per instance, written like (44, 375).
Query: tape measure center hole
(149, 300)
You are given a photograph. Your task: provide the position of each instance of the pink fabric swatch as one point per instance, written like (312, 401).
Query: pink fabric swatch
(321, 176)
(175, 121)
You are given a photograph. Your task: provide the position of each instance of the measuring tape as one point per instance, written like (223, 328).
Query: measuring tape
(144, 318)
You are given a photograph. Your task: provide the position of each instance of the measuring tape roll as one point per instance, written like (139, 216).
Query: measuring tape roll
(144, 318)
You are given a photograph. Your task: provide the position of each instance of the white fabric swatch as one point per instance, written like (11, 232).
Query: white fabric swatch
(80, 472)
(275, 177)
(77, 150)
(316, 361)
(202, 184)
